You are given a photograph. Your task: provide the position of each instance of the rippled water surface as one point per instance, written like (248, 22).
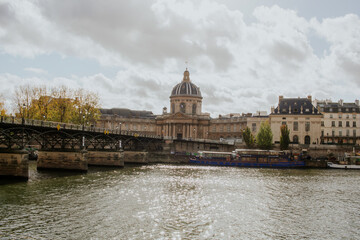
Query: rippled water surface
(183, 202)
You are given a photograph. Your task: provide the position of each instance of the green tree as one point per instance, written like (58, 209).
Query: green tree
(264, 137)
(248, 137)
(284, 137)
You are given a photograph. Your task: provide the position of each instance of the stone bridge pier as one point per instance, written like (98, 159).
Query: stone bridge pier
(14, 164)
(63, 160)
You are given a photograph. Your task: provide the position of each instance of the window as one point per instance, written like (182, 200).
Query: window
(322, 133)
(354, 124)
(331, 116)
(254, 127)
(340, 123)
(347, 124)
(295, 139)
(354, 133)
(307, 126)
(221, 128)
(333, 133)
(330, 110)
(283, 123)
(340, 133)
(333, 123)
(347, 116)
(228, 128)
(347, 132)
(214, 128)
(194, 109)
(322, 123)
(182, 107)
(340, 116)
(296, 126)
(354, 116)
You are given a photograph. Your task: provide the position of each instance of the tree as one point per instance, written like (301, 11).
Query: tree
(284, 137)
(2, 107)
(264, 137)
(60, 104)
(248, 137)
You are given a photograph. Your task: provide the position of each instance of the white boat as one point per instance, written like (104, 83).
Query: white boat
(343, 166)
(347, 162)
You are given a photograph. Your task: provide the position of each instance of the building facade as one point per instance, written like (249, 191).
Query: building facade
(340, 123)
(321, 122)
(185, 119)
(301, 117)
(126, 120)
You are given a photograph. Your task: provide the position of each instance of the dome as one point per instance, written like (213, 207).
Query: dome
(186, 87)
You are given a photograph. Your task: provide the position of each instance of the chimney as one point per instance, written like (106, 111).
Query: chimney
(272, 109)
(341, 102)
(164, 110)
(281, 98)
(309, 97)
(357, 102)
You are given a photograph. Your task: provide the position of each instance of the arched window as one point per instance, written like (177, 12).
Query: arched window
(182, 107)
(307, 139)
(295, 139)
(194, 109)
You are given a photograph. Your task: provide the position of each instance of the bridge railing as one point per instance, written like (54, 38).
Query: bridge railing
(71, 126)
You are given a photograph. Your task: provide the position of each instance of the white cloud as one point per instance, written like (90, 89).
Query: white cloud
(239, 66)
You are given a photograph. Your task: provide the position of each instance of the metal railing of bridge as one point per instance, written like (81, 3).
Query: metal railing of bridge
(70, 126)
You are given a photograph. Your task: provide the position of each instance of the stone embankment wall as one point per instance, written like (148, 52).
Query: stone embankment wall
(136, 157)
(62, 160)
(14, 164)
(113, 159)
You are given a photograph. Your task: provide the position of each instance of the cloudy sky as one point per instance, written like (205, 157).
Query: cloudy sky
(242, 54)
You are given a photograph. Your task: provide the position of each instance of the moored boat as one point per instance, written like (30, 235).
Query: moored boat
(249, 158)
(346, 162)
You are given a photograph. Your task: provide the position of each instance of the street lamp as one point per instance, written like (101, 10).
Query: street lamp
(194, 134)
(23, 114)
(83, 122)
(120, 127)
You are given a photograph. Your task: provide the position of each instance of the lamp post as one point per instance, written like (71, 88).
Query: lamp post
(83, 122)
(23, 114)
(120, 127)
(194, 134)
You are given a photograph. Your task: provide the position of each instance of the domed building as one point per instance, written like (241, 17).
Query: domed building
(185, 119)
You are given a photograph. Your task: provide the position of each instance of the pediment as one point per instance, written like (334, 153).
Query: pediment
(179, 115)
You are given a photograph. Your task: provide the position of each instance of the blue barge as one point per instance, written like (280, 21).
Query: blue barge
(249, 158)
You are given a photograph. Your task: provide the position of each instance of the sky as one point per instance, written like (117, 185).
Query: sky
(243, 54)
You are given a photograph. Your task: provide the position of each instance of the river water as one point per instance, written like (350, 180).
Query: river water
(183, 202)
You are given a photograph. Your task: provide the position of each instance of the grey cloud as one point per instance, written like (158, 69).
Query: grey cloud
(133, 30)
(284, 52)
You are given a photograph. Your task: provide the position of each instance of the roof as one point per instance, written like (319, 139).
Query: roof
(295, 106)
(186, 87)
(127, 113)
(338, 107)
